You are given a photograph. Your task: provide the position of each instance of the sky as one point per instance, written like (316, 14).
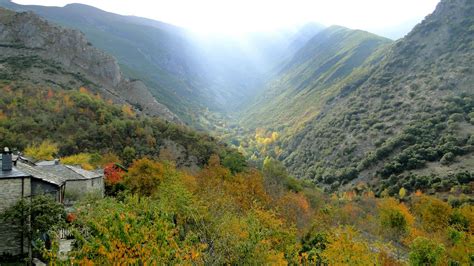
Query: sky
(390, 18)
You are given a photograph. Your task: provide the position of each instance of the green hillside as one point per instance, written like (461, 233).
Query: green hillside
(409, 124)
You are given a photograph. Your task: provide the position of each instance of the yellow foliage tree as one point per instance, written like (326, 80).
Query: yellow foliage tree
(84, 90)
(395, 218)
(346, 248)
(127, 110)
(434, 213)
(82, 159)
(46, 150)
(402, 193)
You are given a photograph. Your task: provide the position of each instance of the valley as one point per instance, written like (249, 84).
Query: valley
(281, 147)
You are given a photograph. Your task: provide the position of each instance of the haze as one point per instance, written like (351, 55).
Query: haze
(390, 18)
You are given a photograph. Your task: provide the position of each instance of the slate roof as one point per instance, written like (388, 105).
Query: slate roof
(40, 173)
(14, 173)
(47, 163)
(50, 172)
(69, 172)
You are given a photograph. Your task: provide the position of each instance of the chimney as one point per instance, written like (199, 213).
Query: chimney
(6, 159)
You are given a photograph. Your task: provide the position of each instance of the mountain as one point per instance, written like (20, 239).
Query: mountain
(408, 123)
(37, 52)
(57, 88)
(187, 73)
(315, 73)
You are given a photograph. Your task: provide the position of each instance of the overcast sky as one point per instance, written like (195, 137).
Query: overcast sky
(385, 17)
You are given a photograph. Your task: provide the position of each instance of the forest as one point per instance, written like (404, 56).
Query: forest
(221, 210)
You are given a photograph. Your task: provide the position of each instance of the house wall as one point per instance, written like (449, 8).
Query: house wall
(11, 191)
(39, 187)
(77, 189)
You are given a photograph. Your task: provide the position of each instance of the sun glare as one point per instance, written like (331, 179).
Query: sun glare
(234, 17)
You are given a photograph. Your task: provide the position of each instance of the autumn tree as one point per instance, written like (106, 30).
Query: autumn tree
(144, 176)
(434, 213)
(133, 231)
(426, 252)
(82, 159)
(346, 248)
(395, 218)
(45, 150)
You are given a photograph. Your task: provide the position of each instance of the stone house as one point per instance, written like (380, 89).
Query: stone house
(78, 182)
(14, 185)
(22, 179)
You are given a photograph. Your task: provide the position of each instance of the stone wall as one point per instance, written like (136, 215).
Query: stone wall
(11, 193)
(76, 189)
(39, 187)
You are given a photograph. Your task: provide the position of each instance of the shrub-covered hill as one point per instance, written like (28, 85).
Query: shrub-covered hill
(414, 111)
(81, 121)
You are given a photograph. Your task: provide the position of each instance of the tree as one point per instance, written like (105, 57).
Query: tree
(345, 248)
(447, 158)
(395, 218)
(144, 176)
(47, 215)
(235, 162)
(434, 213)
(128, 155)
(82, 159)
(274, 172)
(133, 231)
(313, 244)
(426, 252)
(46, 150)
(402, 193)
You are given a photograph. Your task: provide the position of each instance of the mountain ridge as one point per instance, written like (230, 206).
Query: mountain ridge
(314, 70)
(27, 35)
(423, 82)
(172, 62)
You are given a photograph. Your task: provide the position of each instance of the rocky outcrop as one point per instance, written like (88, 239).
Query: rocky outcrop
(26, 33)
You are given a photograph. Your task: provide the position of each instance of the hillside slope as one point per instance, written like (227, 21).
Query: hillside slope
(186, 73)
(414, 112)
(34, 50)
(56, 87)
(315, 73)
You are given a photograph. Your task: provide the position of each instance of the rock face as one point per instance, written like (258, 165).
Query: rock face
(27, 34)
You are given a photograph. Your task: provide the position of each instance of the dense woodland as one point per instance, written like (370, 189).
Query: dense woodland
(79, 121)
(223, 212)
